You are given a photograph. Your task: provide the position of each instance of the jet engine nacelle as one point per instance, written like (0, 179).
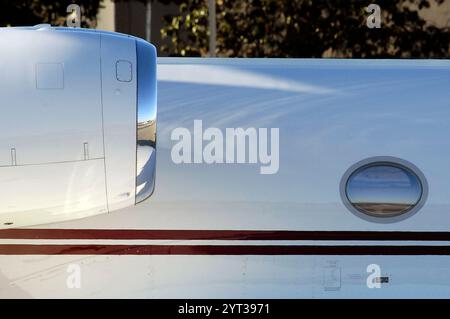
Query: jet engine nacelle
(78, 123)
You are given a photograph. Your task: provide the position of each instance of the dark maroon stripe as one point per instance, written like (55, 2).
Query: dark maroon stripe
(219, 250)
(149, 234)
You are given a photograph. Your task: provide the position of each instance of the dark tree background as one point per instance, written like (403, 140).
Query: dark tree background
(32, 12)
(272, 28)
(306, 28)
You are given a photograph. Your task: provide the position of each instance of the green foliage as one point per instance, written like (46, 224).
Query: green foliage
(306, 28)
(32, 12)
(188, 31)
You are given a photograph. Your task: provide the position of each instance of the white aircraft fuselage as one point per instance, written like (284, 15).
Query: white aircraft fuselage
(217, 226)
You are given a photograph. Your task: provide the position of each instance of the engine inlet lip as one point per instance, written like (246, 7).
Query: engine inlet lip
(146, 120)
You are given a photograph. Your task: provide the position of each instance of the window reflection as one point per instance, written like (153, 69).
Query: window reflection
(383, 189)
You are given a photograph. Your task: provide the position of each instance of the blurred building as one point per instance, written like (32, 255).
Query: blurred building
(106, 16)
(132, 16)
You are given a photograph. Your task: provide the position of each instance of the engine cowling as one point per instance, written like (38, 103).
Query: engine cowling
(78, 123)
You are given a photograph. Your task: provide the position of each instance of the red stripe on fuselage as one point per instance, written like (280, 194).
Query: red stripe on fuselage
(219, 250)
(155, 234)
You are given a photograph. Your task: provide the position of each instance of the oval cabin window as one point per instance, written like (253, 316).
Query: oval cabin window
(383, 189)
